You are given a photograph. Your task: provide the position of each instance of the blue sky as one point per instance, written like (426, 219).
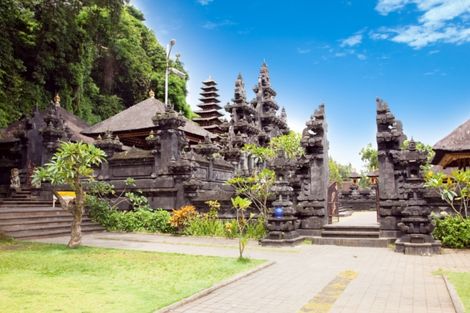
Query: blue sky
(415, 54)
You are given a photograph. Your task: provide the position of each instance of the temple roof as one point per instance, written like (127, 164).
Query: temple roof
(72, 122)
(138, 117)
(457, 141)
(76, 126)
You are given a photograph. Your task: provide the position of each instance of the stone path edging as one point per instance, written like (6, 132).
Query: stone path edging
(210, 290)
(458, 306)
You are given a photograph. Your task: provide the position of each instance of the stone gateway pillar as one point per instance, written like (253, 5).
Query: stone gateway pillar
(404, 212)
(313, 173)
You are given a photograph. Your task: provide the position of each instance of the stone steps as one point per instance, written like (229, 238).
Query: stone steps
(352, 236)
(30, 212)
(8, 203)
(51, 232)
(38, 220)
(27, 221)
(353, 242)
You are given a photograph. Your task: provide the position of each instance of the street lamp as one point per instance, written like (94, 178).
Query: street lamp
(167, 70)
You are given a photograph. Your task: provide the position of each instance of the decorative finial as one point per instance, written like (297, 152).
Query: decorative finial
(57, 100)
(151, 93)
(412, 145)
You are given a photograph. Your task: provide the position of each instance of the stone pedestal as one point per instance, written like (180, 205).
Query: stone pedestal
(282, 226)
(417, 245)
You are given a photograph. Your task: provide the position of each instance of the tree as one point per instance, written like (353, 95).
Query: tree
(339, 172)
(71, 165)
(256, 188)
(288, 144)
(99, 55)
(241, 205)
(454, 189)
(369, 155)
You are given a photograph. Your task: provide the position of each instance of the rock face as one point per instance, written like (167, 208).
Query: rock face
(404, 212)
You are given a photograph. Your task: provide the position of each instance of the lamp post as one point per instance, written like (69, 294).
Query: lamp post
(169, 46)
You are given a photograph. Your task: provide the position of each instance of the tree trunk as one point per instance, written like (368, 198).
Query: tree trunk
(77, 212)
(76, 233)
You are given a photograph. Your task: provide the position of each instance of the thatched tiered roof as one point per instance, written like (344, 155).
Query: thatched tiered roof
(133, 124)
(454, 149)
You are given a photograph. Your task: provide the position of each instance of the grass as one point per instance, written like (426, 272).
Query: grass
(461, 283)
(52, 278)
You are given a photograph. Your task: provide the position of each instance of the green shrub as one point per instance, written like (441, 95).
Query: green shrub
(204, 226)
(256, 229)
(142, 219)
(453, 231)
(201, 225)
(147, 220)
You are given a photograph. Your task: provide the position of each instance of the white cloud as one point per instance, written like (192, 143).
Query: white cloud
(214, 25)
(351, 41)
(386, 6)
(440, 21)
(435, 72)
(303, 50)
(381, 35)
(204, 2)
(361, 56)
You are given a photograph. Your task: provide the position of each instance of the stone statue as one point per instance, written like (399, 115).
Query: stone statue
(15, 179)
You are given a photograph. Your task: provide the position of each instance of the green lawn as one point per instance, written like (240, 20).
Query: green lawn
(51, 278)
(461, 283)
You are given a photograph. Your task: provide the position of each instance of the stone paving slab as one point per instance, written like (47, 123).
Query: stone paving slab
(386, 281)
(359, 218)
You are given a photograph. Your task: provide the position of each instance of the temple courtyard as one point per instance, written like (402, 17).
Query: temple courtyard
(309, 278)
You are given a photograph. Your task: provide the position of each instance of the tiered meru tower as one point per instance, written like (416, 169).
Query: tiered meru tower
(209, 114)
(269, 122)
(257, 121)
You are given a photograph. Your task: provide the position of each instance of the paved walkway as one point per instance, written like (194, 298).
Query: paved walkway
(377, 280)
(359, 218)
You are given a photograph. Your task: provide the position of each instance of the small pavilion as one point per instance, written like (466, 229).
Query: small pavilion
(454, 149)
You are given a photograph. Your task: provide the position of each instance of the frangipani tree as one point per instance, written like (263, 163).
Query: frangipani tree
(71, 165)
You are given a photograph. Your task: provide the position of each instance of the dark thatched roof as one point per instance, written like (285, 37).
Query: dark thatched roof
(72, 122)
(456, 142)
(138, 117)
(76, 126)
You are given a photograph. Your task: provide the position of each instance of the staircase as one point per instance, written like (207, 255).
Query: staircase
(22, 216)
(353, 236)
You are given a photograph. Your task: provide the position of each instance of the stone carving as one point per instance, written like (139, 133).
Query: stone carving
(404, 212)
(15, 182)
(282, 225)
(415, 224)
(313, 174)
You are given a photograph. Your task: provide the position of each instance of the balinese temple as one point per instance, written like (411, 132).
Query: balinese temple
(256, 121)
(31, 141)
(133, 125)
(270, 123)
(243, 117)
(209, 113)
(171, 157)
(453, 151)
